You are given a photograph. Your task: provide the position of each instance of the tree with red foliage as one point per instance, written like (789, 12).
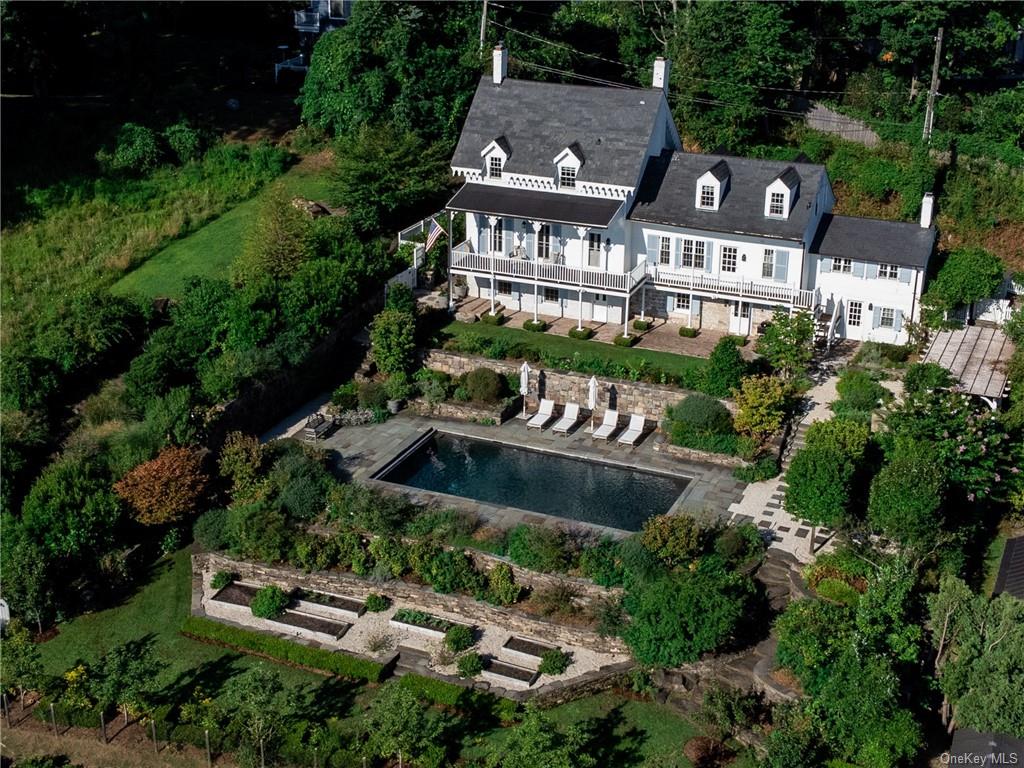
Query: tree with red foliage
(165, 489)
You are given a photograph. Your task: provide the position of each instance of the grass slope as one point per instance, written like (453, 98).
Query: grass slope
(563, 346)
(209, 251)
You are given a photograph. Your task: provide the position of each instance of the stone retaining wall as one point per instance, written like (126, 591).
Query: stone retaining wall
(563, 387)
(690, 454)
(471, 412)
(423, 598)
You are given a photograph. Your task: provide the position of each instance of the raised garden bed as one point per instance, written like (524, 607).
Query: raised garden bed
(346, 605)
(509, 672)
(526, 647)
(236, 594)
(311, 623)
(420, 622)
(475, 413)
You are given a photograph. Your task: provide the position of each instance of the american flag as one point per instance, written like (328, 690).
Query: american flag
(435, 232)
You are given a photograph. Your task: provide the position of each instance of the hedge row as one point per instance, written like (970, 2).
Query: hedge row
(283, 650)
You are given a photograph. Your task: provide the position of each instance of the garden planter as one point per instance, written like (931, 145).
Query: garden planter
(460, 291)
(394, 406)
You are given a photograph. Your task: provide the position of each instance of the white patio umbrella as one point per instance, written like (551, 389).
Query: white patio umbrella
(592, 399)
(524, 383)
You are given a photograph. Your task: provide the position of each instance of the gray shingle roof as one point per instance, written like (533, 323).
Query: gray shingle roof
(611, 125)
(970, 744)
(535, 205)
(888, 242)
(720, 170)
(789, 177)
(667, 192)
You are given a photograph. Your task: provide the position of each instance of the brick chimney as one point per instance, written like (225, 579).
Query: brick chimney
(499, 63)
(661, 70)
(927, 209)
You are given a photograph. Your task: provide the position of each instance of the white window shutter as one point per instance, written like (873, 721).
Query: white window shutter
(509, 239)
(858, 269)
(652, 249)
(670, 303)
(528, 244)
(483, 236)
(781, 266)
(876, 317)
(825, 265)
(709, 249)
(679, 253)
(872, 272)
(905, 274)
(898, 321)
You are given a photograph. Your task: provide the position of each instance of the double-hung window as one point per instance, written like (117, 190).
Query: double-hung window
(498, 237)
(678, 302)
(693, 254)
(494, 167)
(504, 288)
(550, 294)
(567, 176)
(842, 265)
(687, 254)
(594, 249)
(728, 258)
(887, 317)
(768, 265)
(854, 313)
(707, 196)
(777, 204)
(544, 242)
(664, 251)
(888, 272)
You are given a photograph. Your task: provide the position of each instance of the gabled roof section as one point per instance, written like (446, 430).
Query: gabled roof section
(789, 177)
(720, 170)
(906, 244)
(573, 149)
(611, 126)
(501, 143)
(665, 195)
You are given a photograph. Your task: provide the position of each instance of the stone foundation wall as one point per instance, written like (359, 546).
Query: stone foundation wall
(715, 314)
(563, 387)
(705, 457)
(471, 412)
(423, 598)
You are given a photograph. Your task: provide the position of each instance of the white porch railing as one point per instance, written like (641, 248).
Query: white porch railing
(695, 281)
(465, 260)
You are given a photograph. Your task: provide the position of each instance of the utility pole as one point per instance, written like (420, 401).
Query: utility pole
(483, 25)
(929, 115)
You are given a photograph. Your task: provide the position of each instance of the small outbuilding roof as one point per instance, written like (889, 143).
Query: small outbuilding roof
(975, 356)
(972, 747)
(887, 242)
(1010, 578)
(534, 205)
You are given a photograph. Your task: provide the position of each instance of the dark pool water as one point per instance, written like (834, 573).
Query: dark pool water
(539, 482)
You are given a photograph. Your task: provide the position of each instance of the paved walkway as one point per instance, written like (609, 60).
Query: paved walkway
(763, 503)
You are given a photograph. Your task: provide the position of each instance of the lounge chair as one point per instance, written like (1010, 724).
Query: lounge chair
(633, 431)
(543, 416)
(608, 425)
(569, 419)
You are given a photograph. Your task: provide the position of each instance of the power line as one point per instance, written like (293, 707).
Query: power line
(556, 45)
(573, 75)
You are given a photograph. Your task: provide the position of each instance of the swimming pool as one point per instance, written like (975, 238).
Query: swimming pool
(571, 488)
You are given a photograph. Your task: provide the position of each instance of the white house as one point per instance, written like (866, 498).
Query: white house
(580, 202)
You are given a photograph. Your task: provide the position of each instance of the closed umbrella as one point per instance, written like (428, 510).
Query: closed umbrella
(524, 384)
(592, 399)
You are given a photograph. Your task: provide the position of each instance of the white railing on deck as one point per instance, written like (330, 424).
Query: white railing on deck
(696, 281)
(463, 258)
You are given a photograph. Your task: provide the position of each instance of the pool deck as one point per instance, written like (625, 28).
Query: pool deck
(365, 450)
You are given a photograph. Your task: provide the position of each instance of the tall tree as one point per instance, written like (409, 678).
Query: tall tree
(536, 741)
(166, 489)
(787, 343)
(278, 241)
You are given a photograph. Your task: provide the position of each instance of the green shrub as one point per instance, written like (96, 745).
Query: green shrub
(399, 387)
(837, 591)
(470, 665)
(136, 151)
(702, 423)
(421, 619)
(642, 325)
(346, 397)
(539, 548)
(602, 563)
(581, 334)
(400, 298)
(501, 585)
(488, 319)
(351, 504)
(376, 603)
(212, 530)
(458, 638)
(537, 326)
(739, 341)
(185, 141)
(372, 395)
(393, 341)
(925, 377)
(434, 691)
(688, 333)
(222, 578)
(390, 555)
(554, 662)
(739, 544)
(762, 469)
(335, 662)
(726, 368)
(858, 390)
(484, 385)
(445, 525)
(625, 341)
(449, 571)
(877, 353)
(269, 602)
(674, 539)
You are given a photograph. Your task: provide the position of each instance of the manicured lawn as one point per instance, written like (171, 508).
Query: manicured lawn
(623, 732)
(209, 251)
(563, 346)
(153, 615)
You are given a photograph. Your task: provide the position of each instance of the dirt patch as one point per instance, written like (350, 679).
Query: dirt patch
(850, 202)
(1004, 240)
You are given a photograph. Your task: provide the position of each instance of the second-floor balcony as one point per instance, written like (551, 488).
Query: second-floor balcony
(774, 293)
(546, 271)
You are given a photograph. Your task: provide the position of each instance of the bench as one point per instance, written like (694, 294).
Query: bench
(317, 427)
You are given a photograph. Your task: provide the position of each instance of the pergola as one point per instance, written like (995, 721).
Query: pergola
(976, 356)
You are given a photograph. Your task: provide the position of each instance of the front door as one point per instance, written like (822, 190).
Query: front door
(600, 308)
(739, 320)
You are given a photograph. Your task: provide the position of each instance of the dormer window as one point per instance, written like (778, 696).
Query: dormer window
(494, 157)
(494, 167)
(567, 165)
(713, 186)
(707, 196)
(567, 177)
(780, 196)
(777, 204)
